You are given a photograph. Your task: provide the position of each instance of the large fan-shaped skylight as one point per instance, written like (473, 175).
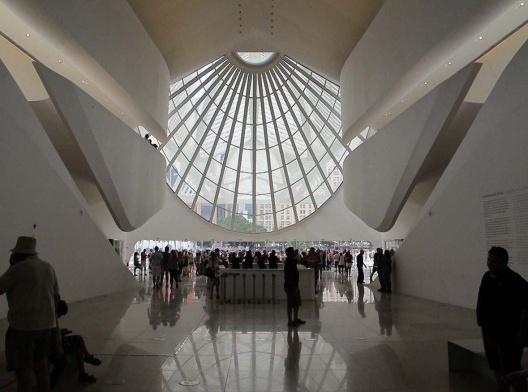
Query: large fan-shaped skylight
(254, 150)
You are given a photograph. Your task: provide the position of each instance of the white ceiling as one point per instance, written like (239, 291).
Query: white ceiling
(318, 33)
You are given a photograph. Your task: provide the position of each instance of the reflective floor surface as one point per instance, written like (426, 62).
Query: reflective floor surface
(355, 339)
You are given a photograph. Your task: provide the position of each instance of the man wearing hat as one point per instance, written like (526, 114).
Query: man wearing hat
(32, 294)
(291, 286)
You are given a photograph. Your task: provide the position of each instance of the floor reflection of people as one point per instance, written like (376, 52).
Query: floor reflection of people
(383, 306)
(165, 307)
(361, 301)
(349, 291)
(154, 309)
(291, 363)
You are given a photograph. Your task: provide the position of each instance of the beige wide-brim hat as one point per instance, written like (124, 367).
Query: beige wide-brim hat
(25, 245)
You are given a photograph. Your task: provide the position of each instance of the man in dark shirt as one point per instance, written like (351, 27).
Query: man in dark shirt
(502, 298)
(359, 263)
(291, 286)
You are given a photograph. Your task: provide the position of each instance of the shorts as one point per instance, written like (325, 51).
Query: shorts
(503, 355)
(293, 297)
(24, 348)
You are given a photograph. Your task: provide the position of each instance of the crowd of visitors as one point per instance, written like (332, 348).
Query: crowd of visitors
(168, 267)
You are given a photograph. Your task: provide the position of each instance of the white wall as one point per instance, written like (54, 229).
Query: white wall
(37, 190)
(444, 257)
(101, 27)
(129, 173)
(411, 41)
(380, 174)
(101, 42)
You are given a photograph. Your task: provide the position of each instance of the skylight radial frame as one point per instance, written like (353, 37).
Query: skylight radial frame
(285, 168)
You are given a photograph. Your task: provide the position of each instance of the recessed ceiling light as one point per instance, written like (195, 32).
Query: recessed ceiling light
(522, 4)
(28, 35)
(84, 81)
(480, 37)
(449, 63)
(60, 61)
(426, 83)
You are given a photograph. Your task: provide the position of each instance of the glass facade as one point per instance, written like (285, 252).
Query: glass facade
(255, 150)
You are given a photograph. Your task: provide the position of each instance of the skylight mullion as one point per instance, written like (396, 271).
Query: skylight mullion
(254, 153)
(185, 86)
(311, 124)
(293, 64)
(229, 141)
(238, 76)
(241, 151)
(197, 122)
(309, 87)
(207, 130)
(195, 91)
(287, 126)
(316, 131)
(316, 110)
(281, 152)
(308, 147)
(268, 157)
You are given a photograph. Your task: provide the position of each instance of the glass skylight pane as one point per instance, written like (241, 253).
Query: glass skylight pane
(304, 208)
(204, 208)
(225, 198)
(355, 143)
(229, 180)
(246, 183)
(294, 171)
(208, 190)
(279, 179)
(285, 218)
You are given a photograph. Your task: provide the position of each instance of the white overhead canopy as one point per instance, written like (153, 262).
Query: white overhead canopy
(319, 33)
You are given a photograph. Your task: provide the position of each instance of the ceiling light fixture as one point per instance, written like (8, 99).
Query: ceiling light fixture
(481, 37)
(28, 35)
(426, 83)
(60, 61)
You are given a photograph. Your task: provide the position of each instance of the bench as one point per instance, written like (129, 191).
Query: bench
(467, 355)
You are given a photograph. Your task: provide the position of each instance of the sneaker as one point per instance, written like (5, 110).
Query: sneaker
(299, 321)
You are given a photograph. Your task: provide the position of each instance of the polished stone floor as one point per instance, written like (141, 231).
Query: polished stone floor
(355, 339)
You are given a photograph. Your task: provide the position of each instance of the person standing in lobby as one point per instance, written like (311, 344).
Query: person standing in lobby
(502, 299)
(32, 294)
(291, 286)
(156, 260)
(359, 264)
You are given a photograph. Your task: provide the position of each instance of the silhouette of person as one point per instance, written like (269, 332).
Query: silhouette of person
(502, 299)
(384, 308)
(291, 363)
(361, 301)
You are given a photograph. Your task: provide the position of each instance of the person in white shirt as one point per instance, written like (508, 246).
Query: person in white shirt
(32, 294)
